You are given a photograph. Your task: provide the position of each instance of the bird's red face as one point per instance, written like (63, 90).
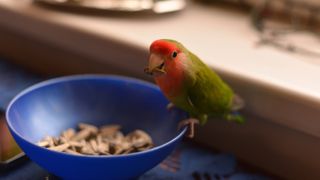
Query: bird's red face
(163, 55)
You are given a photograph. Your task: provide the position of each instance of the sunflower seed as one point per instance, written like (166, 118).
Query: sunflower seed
(109, 130)
(87, 149)
(60, 148)
(43, 143)
(68, 134)
(93, 129)
(72, 152)
(81, 135)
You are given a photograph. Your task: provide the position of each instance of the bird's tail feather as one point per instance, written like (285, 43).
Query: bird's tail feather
(235, 117)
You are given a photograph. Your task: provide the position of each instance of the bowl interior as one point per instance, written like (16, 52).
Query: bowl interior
(53, 106)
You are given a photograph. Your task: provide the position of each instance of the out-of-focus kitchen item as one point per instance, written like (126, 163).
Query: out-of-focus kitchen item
(288, 25)
(156, 6)
(305, 11)
(9, 150)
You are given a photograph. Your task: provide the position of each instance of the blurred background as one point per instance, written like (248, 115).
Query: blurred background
(268, 50)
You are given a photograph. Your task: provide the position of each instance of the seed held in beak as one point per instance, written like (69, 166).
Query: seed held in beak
(156, 65)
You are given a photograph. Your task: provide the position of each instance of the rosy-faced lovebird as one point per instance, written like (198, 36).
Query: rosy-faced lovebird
(189, 84)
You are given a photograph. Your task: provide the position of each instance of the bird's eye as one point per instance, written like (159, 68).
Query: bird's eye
(174, 54)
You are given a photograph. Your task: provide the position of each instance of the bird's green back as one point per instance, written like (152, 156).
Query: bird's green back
(204, 92)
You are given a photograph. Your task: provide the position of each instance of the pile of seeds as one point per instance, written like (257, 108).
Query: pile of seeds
(106, 140)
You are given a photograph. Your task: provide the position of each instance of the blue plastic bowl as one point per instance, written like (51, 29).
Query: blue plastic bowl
(52, 106)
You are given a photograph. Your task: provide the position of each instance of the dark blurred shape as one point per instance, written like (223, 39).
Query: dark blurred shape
(13, 80)
(9, 150)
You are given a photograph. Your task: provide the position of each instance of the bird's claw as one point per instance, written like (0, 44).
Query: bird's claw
(189, 122)
(170, 106)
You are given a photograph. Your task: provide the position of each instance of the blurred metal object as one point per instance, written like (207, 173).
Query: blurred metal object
(157, 6)
(289, 25)
(301, 14)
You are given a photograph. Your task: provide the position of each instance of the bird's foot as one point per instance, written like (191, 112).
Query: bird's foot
(170, 106)
(189, 122)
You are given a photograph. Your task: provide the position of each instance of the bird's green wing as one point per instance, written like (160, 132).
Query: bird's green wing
(208, 93)
(205, 93)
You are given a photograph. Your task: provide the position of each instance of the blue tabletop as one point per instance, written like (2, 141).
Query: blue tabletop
(188, 161)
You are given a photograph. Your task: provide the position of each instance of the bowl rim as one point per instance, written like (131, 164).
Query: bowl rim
(84, 77)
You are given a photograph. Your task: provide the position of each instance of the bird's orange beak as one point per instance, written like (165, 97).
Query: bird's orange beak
(156, 65)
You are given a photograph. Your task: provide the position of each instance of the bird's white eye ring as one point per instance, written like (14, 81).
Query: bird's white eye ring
(174, 54)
